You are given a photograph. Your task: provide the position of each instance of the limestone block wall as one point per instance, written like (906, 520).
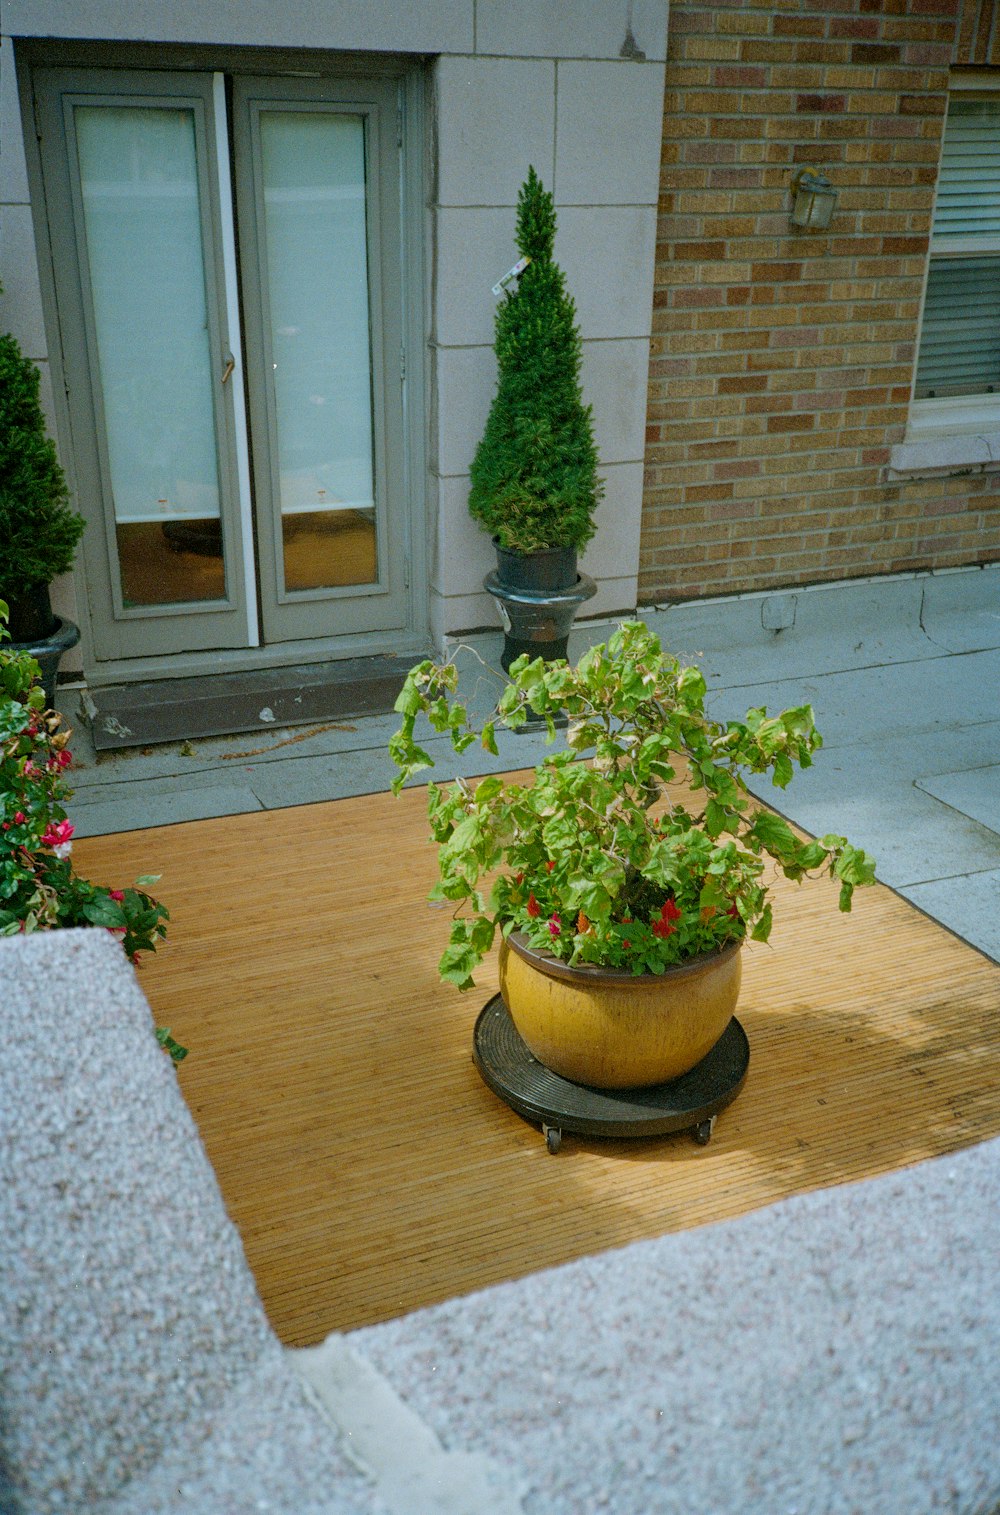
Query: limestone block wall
(588, 125)
(782, 360)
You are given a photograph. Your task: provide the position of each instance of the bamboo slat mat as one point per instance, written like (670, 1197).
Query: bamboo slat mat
(369, 1169)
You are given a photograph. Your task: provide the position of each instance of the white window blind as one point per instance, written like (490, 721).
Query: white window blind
(960, 336)
(968, 197)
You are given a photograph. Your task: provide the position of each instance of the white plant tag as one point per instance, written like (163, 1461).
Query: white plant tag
(510, 275)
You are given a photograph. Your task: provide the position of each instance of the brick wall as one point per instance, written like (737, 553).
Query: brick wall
(782, 361)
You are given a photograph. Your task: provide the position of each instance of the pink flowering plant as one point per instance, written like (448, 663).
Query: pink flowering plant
(596, 860)
(39, 888)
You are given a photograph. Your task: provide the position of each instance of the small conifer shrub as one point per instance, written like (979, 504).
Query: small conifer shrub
(534, 476)
(39, 531)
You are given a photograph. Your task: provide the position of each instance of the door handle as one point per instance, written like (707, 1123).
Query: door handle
(230, 365)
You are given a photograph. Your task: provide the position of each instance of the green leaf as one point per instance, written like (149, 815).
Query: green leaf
(590, 896)
(762, 930)
(481, 935)
(691, 685)
(409, 700)
(855, 866)
(104, 912)
(465, 835)
(774, 834)
(783, 771)
(166, 1041)
(457, 963)
(717, 819)
(452, 887)
(799, 720)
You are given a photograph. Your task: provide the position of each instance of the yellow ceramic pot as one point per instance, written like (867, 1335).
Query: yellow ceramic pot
(615, 1030)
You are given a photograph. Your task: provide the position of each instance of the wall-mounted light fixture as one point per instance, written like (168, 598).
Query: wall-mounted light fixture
(814, 199)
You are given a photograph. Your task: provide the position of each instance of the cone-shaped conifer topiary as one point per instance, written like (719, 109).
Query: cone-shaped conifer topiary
(534, 476)
(38, 529)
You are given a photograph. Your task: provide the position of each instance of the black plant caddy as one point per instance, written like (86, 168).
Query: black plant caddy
(688, 1103)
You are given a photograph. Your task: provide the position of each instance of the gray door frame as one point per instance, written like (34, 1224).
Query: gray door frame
(382, 604)
(407, 75)
(120, 630)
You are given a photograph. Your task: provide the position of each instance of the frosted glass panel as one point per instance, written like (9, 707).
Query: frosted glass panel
(139, 188)
(313, 169)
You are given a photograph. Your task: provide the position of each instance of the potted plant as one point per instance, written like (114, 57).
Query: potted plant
(39, 889)
(39, 531)
(534, 484)
(624, 877)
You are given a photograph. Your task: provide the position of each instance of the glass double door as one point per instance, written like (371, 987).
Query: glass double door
(227, 273)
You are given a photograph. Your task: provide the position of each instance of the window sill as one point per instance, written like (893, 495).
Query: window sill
(937, 456)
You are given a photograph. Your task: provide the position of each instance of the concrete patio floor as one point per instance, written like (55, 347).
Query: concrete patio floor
(903, 675)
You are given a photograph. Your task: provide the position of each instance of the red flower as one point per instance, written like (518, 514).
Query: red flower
(550, 865)
(116, 894)
(664, 927)
(19, 818)
(56, 833)
(555, 925)
(534, 908)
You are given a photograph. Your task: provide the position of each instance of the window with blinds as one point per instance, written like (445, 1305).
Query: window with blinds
(959, 352)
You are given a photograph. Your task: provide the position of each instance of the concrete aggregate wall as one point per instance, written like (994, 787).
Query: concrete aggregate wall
(782, 360)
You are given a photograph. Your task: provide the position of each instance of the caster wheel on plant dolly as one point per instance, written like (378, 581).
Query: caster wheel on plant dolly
(689, 1103)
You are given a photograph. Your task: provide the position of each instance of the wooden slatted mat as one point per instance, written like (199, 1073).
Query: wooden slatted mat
(369, 1169)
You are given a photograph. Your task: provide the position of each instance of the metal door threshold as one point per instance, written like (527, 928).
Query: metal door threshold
(170, 710)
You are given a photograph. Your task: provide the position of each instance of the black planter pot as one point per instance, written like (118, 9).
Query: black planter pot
(35, 630)
(537, 595)
(543, 572)
(31, 618)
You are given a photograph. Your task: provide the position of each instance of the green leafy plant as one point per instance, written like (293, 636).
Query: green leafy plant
(534, 475)
(39, 889)
(39, 531)
(636, 846)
